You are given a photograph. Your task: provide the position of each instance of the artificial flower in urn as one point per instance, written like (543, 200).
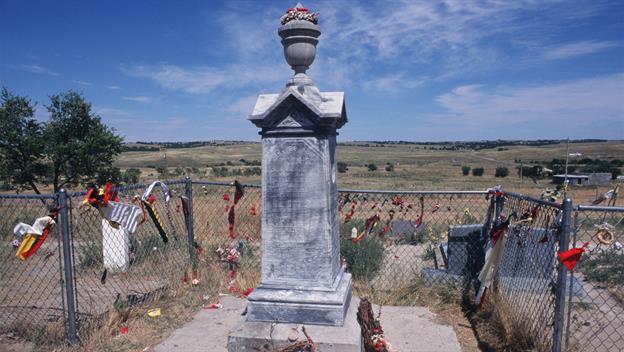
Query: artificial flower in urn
(301, 13)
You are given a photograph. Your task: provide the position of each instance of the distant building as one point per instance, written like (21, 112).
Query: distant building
(592, 179)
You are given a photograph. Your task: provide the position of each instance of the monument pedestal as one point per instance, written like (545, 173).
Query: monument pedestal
(265, 336)
(309, 306)
(302, 278)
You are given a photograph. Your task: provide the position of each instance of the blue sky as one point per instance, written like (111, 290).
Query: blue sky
(411, 70)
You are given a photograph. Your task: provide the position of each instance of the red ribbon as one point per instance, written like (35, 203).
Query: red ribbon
(571, 257)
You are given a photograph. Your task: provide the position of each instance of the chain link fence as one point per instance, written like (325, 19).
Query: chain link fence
(595, 311)
(389, 239)
(401, 234)
(527, 290)
(116, 269)
(31, 291)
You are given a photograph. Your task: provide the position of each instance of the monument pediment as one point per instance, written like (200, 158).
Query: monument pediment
(326, 110)
(294, 120)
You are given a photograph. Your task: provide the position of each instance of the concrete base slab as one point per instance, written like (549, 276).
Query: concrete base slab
(409, 329)
(264, 336)
(414, 329)
(208, 330)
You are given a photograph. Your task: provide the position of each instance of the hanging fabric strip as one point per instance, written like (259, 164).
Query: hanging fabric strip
(571, 257)
(126, 215)
(27, 242)
(498, 230)
(99, 197)
(153, 214)
(185, 210)
(231, 218)
(493, 257)
(239, 192)
(35, 247)
(419, 220)
(34, 236)
(150, 188)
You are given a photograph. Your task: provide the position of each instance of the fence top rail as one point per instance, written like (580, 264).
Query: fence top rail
(128, 187)
(599, 208)
(347, 190)
(533, 199)
(216, 183)
(26, 196)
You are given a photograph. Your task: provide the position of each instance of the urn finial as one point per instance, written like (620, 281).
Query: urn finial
(299, 33)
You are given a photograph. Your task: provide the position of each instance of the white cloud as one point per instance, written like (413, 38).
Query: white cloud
(572, 50)
(242, 107)
(452, 36)
(38, 69)
(139, 99)
(392, 83)
(438, 39)
(82, 83)
(108, 111)
(113, 87)
(205, 79)
(589, 107)
(177, 122)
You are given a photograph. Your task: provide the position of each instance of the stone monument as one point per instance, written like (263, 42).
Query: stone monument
(303, 281)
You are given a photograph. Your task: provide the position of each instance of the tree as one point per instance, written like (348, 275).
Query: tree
(78, 145)
(111, 173)
(372, 167)
(342, 167)
(465, 170)
(501, 171)
(389, 167)
(477, 171)
(131, 176)
(21, 143)
(73, 147)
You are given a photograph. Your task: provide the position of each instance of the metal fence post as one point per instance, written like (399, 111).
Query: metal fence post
(188, 187)
(68, 268)
(562, 275)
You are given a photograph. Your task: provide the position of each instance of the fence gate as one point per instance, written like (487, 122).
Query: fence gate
(595, 302)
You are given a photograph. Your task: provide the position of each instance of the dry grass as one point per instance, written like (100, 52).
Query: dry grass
(500, 327)
(177, 306)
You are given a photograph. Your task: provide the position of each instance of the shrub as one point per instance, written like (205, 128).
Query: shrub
(477, 171)
(342, 167)
(411, 236)
(389, 167)
(605, 267)
(364, 259)
(465, 170)
(131, 176)
(501, 171)
(162, 171)
(372, 167)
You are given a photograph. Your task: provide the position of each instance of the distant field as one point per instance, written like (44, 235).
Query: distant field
(415, 168)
